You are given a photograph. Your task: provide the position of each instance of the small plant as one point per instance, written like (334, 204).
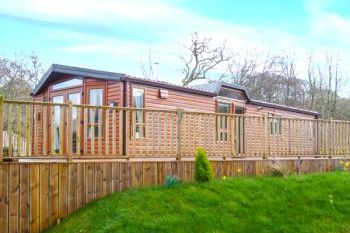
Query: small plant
(202, 167)
(339, 168)
(343, 166)
(171, 181)
(277, 172)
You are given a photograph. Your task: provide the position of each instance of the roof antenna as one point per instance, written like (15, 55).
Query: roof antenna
(155, 71)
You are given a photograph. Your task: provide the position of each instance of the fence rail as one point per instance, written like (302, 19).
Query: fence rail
(67, 130)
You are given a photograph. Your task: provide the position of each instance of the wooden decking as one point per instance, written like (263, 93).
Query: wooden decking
(66, 131)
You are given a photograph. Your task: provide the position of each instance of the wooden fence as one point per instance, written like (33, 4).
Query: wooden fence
(34, 196)
(17, 146)
(81, 131)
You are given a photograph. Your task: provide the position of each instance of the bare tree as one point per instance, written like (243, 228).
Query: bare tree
(18, 76)
(240, 69)
(331, 78)
(269, 78)
(147, 70)
(202, 59)
(312, 84)
(35, 69)
(293, 88)
(324, 84)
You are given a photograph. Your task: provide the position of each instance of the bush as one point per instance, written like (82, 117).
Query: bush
(339, 168)
(171, 181)
(203, 170)
(277, 173)
(343, 166)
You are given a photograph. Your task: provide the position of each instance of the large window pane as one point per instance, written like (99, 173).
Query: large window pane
(95, 99)
(232, 94)
(223, 120)
(76, 99)
(69, 83)
(275, 124)
(57, 122)
(224, 108)
(138, 102)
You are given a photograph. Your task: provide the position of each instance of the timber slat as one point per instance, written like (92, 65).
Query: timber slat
(80, 187)
(24, 199)
(72, 189)
(13, 198)
(45, 132)
(63, 190)
(34, 197)
(44, 190)
(54, 193)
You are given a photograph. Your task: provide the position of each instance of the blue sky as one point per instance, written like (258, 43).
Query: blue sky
(116, 35)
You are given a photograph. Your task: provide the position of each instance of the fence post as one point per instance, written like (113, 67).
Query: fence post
(331, 137)
(1, 128)
(266, 145)
(179, 115)
(70, 131)
(233, 144)
(318, 143)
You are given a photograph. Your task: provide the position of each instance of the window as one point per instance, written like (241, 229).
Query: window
(275, 124)
(57, 122)
(239, 110)
(223, 121)
(232, 94)
(138, 101)
(95, 99)
(76, 99)
(69, 83)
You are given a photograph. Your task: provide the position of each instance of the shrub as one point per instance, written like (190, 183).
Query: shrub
(171, 181)
(343, 166)
(339, 168)
(203, 170)
(277, 173)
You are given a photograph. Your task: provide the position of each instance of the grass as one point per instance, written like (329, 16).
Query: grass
(304, 203)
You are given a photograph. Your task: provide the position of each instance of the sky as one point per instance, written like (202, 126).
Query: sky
(117, 35)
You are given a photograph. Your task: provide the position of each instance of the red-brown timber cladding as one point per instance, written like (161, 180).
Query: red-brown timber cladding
(161, 127)
(112, 91)
(35, 196)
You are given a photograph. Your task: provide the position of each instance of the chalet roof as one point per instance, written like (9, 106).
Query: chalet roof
(56, 69)
(283, 107)
(217, 85)
(211, 89)
(167, 85)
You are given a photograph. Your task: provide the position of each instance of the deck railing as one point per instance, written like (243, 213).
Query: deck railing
(66, 130)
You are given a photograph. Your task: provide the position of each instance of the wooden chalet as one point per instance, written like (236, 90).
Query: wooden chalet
(89, 133)
(79, 112)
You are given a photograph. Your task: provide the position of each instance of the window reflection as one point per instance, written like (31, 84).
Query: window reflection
(95, 99)
(76, 99)
(223, 120)
(69, 83)
(138, 102)
(57, 122)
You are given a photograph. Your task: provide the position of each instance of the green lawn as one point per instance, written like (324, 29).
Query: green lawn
(304, 203)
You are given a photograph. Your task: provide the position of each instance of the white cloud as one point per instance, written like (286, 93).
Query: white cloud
(171, 25)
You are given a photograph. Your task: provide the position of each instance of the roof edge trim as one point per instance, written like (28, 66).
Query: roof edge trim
(283, 107)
